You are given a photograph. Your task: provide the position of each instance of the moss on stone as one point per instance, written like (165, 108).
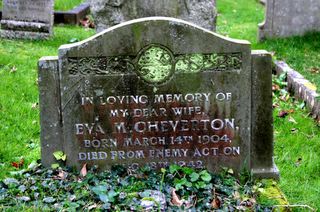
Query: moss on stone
(271, 195)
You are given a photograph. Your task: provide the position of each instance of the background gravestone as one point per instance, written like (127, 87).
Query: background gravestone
(31, 19)
(108, 13)
(158, 91)
(290, 17)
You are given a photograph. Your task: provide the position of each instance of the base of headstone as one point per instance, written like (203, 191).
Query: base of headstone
(24, 35)
(262, 173)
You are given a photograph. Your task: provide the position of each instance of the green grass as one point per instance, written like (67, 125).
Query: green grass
(301, 184)
(65, 5)
(62, 5)
(297, 154)
(19, 125)
(239, 19)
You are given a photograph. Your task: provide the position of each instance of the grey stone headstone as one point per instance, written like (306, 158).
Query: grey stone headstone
(290, 17)
(158, 91)
(28, 19)
(108, 13)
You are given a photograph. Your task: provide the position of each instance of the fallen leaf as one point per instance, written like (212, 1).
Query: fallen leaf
(92, 206)
(283, 113)
(275, 87)
(34, 105)
(61, 176)
(175, 199)
(249, 203)
(18, 164)
(216, 203)
(83, 171)
(13, 69)
(230, 171)
(291, 111)
(298, 162)
(315, 70)
(294, 130)
(276, 105)
(236, 195)
(291, 119)
(285, 97)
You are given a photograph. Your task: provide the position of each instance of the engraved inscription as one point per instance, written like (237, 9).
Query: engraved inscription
(135, 130)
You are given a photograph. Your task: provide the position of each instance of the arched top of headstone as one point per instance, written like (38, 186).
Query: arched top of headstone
(131, 37)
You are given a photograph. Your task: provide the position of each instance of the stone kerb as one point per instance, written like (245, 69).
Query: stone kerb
(302, 88)
(157, 91)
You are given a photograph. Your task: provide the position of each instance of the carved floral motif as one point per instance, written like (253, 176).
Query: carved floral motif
(155, 64)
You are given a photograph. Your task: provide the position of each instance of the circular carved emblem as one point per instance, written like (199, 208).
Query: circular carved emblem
(155, 64)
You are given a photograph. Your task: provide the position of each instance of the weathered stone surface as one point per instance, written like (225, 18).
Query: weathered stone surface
(108, 13)
(302, 88)
(157, 91)
(31, 19)
(290, 17)
(262, 163)
(50, 116)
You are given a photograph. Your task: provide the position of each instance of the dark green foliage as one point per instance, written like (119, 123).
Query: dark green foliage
(120, 190)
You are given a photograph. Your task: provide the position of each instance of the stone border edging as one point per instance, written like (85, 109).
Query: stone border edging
(72, 16)
(301, 88)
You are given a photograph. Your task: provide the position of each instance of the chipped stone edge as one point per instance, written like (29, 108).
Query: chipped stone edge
(300, 87)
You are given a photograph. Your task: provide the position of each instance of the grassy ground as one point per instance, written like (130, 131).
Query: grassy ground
(61, 4)
(297, 146)
(66, 4)
(239, 19)
(19, 125)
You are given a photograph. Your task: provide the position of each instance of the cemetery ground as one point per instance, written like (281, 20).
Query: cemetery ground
(297, 140)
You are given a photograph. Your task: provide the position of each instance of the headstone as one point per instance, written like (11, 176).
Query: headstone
(28, 19)
(158, 91)
(108, 13)
(290, 17)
